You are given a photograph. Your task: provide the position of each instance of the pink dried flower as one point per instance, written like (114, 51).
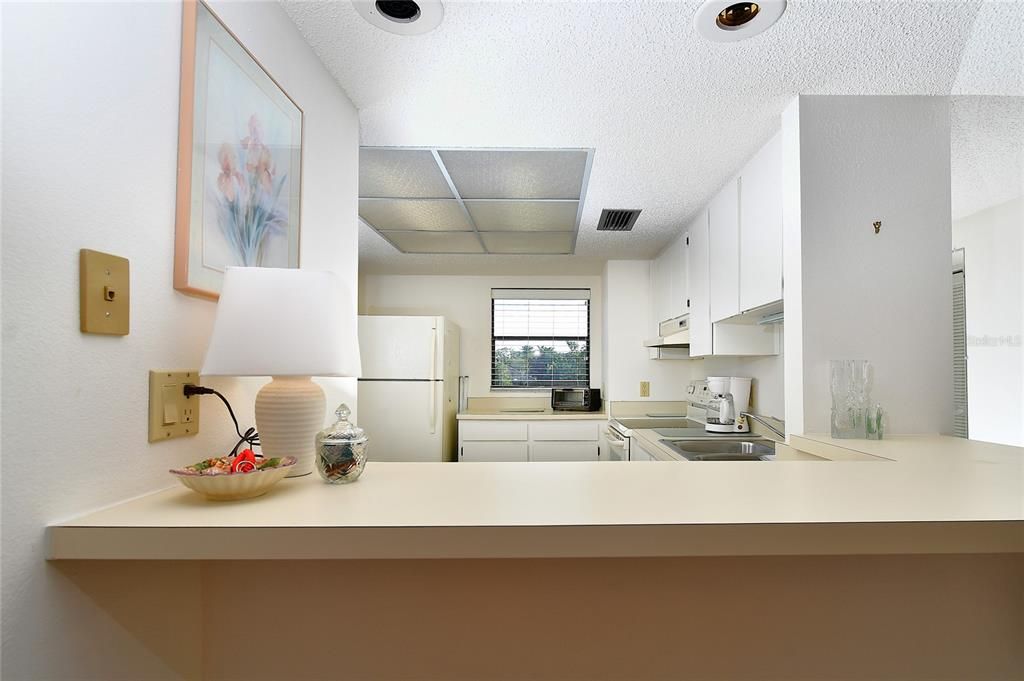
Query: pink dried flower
(229, 174)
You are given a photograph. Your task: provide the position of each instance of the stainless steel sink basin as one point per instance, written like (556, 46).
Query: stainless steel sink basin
(722, 451)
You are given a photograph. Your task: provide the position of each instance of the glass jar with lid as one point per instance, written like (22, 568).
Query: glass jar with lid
(341, 449)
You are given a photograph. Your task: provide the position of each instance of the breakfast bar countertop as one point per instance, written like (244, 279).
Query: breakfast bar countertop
(967, 498)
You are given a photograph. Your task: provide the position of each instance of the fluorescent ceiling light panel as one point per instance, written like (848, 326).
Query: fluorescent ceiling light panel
(517, 173)
(435, 242)
(534, 243)
(523, 216)
(401, 173)
(446, 201)
(432, 215)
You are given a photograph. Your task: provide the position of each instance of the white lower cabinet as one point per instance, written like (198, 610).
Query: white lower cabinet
(638, 453)
(482, 440)
(572, 431)
(564, 451)
(494, 451)
(508, 431)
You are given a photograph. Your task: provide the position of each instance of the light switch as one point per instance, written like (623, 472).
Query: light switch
(169, 396)
(645, 388)
(103, 293)
(171, 414)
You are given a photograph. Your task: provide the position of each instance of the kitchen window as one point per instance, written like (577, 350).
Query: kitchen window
(540, 339)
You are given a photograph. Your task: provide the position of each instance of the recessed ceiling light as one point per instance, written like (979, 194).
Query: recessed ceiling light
(725, 21)
(404, 17)
(399, 11)
(729, 18)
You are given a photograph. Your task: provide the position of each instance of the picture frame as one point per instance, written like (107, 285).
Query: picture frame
(239, 180)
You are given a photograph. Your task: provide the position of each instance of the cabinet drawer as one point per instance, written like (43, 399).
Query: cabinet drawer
(563, 451)
(565, 430)
(494, 451)
(492, 430)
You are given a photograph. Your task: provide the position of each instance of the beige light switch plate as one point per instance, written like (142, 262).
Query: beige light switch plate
(171, 414)
(103, 293)
(645, 388)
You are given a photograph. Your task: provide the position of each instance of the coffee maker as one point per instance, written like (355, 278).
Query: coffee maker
(730, 398)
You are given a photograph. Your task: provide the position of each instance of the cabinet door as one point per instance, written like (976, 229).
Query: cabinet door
(661, 289)
(724, 252)
(638, 453)
(760, 250)
(493, 451)
(677, 277)
(564, 451)
(697, 285)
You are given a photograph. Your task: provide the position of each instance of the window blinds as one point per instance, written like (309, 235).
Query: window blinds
(540, 338)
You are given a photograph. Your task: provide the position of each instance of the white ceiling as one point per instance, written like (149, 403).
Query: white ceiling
(671, 116)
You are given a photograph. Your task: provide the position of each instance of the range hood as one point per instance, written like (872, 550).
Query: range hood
(675, 333)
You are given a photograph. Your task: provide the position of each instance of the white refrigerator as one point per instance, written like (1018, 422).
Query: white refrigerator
(409, 390)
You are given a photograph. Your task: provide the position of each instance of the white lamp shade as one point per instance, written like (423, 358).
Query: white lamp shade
(283, 322)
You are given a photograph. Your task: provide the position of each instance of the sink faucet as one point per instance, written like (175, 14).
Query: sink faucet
(763, 420)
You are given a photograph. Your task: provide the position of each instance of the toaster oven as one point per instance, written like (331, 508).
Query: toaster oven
(576, 399)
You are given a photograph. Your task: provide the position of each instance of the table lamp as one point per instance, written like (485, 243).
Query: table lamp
(289, 324)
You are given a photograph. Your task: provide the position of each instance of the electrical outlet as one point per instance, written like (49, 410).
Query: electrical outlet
(171, 414)
(645, 388)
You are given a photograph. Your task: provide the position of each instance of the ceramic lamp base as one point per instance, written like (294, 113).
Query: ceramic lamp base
(289, 414)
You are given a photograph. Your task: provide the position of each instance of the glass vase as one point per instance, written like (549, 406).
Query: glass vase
(850, 382)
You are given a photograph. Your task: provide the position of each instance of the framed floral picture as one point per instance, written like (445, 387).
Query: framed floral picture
(239, 160)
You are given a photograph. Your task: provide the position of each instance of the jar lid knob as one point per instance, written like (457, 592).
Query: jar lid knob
(342, 412)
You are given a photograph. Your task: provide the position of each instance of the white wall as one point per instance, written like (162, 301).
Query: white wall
(90, 129)
(768, 388)
(628, 323)
(992, 242)
(466, 300)
(886, 297)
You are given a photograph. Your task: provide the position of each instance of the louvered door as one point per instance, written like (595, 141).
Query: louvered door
(959, 355)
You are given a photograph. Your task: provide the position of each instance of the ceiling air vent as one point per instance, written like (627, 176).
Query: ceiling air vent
(617, 219)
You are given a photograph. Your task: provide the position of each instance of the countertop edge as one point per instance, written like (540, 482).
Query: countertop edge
(69, 542)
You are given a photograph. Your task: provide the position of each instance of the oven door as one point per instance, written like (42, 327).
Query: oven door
(618, 445)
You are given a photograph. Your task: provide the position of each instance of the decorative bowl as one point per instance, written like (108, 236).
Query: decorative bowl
(234, 486)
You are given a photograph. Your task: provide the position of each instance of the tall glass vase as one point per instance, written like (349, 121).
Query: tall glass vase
(850, 381)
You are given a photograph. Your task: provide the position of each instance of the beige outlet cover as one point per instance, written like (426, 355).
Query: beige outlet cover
(171, 414)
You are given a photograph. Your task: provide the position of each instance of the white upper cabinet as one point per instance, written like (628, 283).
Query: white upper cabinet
(677, 277)
(724, 251)
(697, 285)
(728, 261)
(661, 288)
(760, 244)
(668, 282)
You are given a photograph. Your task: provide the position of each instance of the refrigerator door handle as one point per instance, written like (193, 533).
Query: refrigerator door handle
(433, 378)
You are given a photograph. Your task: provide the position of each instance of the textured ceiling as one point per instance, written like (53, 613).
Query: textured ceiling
(671, 116)
(987, 152)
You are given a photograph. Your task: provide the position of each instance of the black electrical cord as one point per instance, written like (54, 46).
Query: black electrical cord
(250, 436)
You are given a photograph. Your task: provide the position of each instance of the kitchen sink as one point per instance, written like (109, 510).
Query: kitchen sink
(722, 451)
